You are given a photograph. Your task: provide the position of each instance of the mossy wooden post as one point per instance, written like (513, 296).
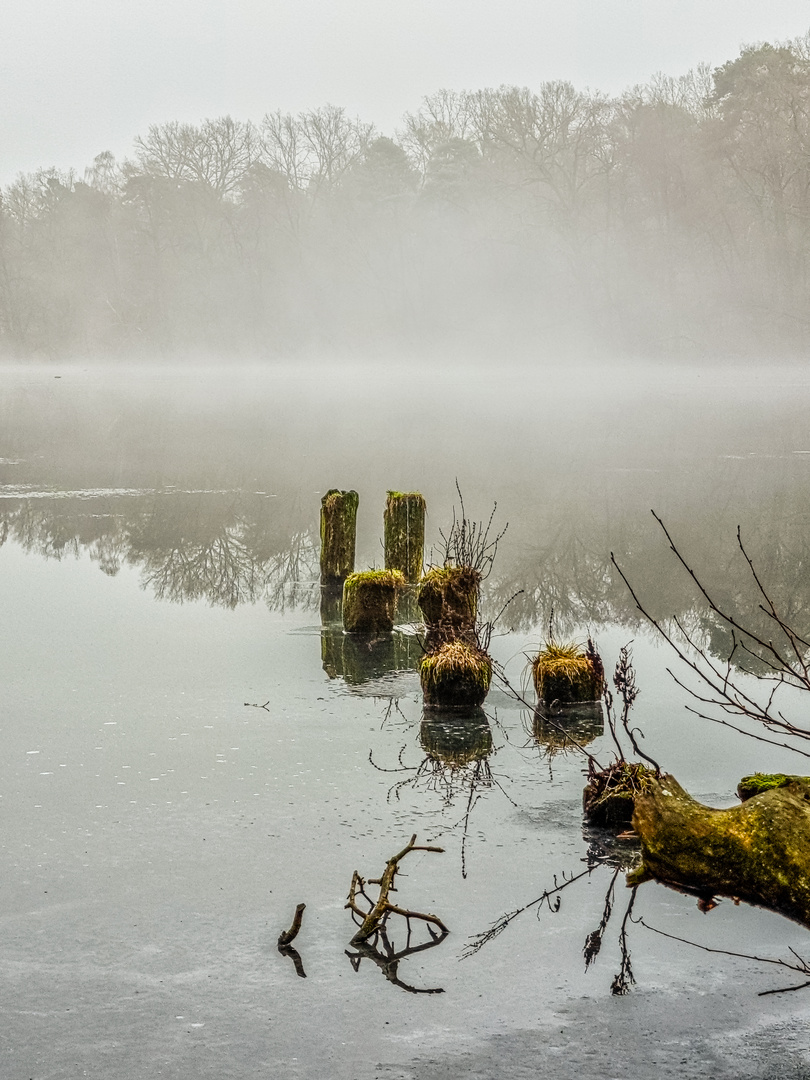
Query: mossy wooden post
(448, 597)
(338, 532)
(457, 675)
(404, 530)
(370, 601)
(758, 851)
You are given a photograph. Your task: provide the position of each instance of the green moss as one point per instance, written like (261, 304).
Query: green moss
(448, 597)
(759, 782)
(756, 851)
(338, 529)
(457, 675)
(567, 673)
(369, 601)
(404, 527)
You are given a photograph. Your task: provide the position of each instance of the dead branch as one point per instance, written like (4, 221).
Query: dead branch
(289, 936)
(478, 941)
(787, 662)
(802, 967)
(373, 920)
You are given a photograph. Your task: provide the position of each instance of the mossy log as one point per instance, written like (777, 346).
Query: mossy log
(404, 531)
(370, 601)
(567, 674)
(758, 851)
(338, 535)
(457, 676)
(448, 597)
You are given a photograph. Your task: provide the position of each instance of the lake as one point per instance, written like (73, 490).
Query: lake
(189, 752)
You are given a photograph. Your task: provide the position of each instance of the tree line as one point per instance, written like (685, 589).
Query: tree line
(672, 220)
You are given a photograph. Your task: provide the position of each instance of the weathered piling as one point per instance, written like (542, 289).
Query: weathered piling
(338, 532)
(568, 673)
(457, 676)
(448, 597)
(370, 601)
(404, 531)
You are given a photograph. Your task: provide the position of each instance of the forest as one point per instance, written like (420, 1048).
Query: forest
(671, 222)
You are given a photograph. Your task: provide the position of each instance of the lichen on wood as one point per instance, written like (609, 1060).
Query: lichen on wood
(568, 673)
(757, 851)
(404, 532)
(370, 601)
(457, 675)
(448, 597)
(338, 532)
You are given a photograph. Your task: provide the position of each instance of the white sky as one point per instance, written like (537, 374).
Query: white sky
(81, 76)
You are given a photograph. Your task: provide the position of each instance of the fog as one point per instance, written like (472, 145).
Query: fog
(668, 221)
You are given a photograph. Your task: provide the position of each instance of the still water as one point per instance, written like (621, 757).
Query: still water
(188, 752)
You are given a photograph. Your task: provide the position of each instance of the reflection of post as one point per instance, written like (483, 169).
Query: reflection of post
(457, 740)
(404, 525)
(338, 531)
(570, 727)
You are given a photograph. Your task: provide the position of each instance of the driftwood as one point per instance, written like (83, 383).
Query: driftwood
(758, 851)
(373, 920)
(289, 936)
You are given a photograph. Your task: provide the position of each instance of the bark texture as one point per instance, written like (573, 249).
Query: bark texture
(758, 851)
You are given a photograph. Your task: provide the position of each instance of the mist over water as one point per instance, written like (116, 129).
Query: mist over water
(572, 308)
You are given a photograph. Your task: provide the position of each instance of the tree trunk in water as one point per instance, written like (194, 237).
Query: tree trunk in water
(758, 851)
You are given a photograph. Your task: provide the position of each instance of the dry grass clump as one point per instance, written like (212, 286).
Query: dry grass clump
(456, 676)
(456, 658)
(567, 672)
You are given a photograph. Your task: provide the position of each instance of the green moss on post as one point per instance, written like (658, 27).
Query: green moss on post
(457, 675)
(338, 530)
(404, 528)
(448, 597)
(567, 674)
(370, 601)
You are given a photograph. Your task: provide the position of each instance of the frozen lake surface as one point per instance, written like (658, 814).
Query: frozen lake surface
(184, 759)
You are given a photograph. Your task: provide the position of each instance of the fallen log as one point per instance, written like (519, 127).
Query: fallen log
(758, 851)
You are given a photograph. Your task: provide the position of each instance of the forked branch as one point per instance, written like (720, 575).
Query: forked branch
(373, 920)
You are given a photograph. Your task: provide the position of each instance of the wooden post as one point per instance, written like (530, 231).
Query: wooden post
(404, 528)
(338, 532)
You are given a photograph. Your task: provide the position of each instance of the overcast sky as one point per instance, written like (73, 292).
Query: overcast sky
(81, 76)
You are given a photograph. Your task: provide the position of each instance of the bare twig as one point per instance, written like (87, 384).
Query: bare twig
(373, 920)
(289, 936)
